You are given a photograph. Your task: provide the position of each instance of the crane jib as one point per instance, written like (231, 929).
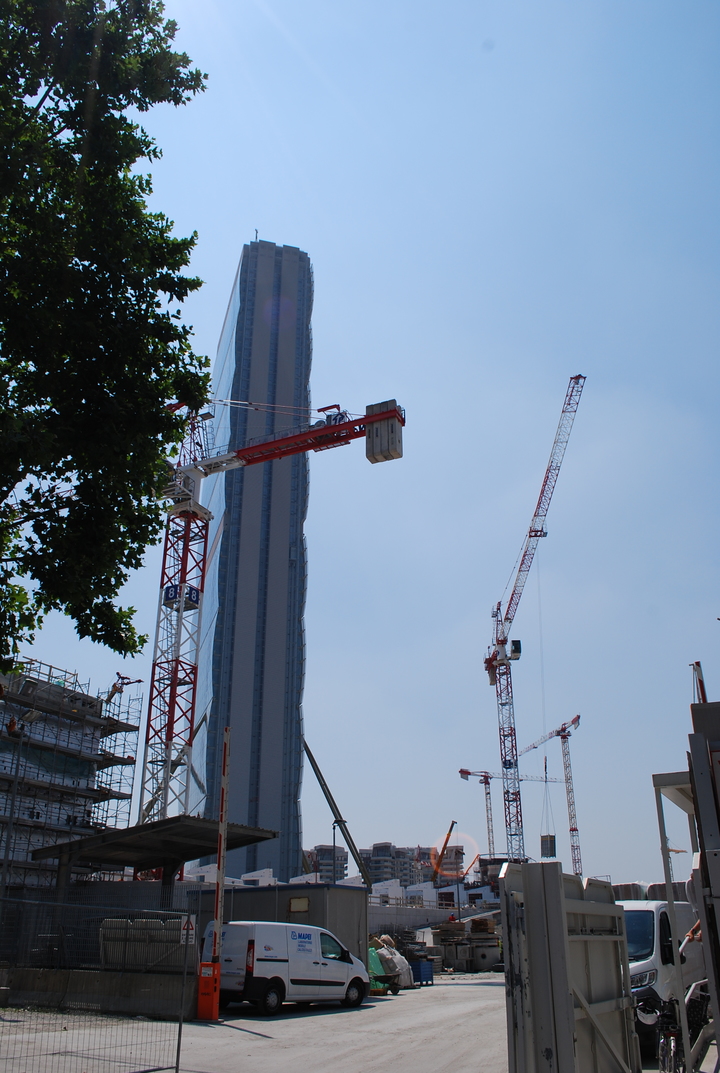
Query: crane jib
(537, 527)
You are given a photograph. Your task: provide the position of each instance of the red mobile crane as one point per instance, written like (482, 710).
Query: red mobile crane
(441, 855)
(563, 732)
(497, 663)
(167, 762)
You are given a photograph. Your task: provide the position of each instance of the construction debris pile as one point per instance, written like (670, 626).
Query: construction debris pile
(461, 951)
(389, 970)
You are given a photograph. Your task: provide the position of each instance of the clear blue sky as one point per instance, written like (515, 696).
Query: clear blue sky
(495, 196)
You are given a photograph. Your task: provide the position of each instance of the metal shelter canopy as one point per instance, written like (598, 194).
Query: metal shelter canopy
(165, 844)
(676, 787)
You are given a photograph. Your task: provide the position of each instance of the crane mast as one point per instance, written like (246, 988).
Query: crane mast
(167, 761)
(498, 660)
(485, 780)
(572, 814)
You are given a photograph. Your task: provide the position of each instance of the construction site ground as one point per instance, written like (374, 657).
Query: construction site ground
(457, 1024)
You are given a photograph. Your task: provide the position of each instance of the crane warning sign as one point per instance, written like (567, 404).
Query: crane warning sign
(188, 929)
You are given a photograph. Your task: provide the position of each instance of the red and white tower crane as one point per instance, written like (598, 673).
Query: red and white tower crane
(167, 762)
(502, 651)
(563, 732)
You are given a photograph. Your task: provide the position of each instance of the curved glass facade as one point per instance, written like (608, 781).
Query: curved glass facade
(252, 647)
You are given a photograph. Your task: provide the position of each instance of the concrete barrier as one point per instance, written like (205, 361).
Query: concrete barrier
(129, 993)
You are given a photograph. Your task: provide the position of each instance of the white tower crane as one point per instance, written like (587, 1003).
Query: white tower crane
(485, 777)
(563, 732)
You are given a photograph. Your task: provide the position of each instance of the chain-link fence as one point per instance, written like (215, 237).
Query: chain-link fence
(89, 989)
(80, 1041)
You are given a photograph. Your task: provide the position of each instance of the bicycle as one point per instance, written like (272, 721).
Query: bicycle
(665, 1017)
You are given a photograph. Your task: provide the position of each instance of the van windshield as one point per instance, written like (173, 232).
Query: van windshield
(640, 925)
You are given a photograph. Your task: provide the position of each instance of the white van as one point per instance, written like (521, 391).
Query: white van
(267, 964)
(650, 951)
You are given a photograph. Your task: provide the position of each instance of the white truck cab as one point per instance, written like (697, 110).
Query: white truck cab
(650, 950)
(268, 963)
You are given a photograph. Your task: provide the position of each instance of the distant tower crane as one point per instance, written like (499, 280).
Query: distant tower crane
(167, 762)
(699, 691)
(563, 732)
(497, 663)
(485, 777)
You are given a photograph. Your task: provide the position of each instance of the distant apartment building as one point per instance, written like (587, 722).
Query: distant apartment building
(67, 760)
(410, 865)
(453, 863)
(321, 862)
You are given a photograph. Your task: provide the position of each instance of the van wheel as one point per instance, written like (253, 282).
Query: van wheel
(226, 997)
(355, 994)
(272, 999)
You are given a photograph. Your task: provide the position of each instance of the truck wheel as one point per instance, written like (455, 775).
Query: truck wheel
(272, 999)
(355, 994)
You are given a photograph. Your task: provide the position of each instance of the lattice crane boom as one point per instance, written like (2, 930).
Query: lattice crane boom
(167, 761)
(465, 774)
(566, 728)
(498, 660)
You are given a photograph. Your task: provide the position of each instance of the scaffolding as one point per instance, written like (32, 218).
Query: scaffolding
(67, 762)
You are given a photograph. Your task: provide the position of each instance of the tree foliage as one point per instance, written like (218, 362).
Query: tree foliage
(92, 344)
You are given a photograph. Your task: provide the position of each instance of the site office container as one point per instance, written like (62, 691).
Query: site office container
(341, 910)
(267, 963)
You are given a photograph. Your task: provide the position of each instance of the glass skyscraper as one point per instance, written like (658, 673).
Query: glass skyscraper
(252, 647)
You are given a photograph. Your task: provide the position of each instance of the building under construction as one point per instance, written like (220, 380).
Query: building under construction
(67, 760)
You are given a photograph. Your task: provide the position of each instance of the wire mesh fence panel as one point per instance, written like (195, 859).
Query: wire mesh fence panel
(79, 1041)
(92, 988)
(54, 935)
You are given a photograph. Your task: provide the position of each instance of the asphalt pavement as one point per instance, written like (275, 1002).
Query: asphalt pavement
(455, 1026)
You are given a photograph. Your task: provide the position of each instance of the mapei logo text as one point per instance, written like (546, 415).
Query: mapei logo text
(301, 936)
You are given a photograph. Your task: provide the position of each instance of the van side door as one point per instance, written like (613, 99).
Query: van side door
(233, 955)
(334, 966)
(303, 964)
(271, 951)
